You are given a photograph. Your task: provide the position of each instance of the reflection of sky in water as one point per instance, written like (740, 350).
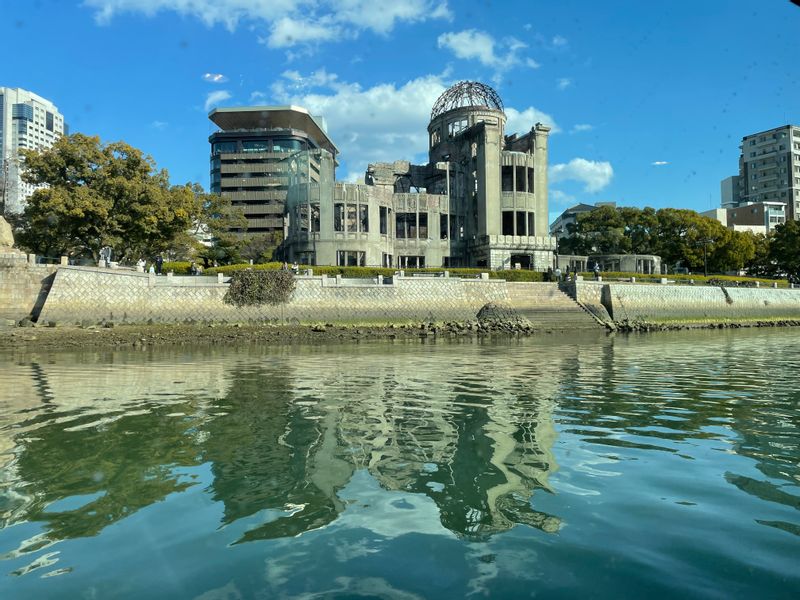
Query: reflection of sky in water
(556, 466)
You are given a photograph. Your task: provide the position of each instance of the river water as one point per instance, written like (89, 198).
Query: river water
(559, 466)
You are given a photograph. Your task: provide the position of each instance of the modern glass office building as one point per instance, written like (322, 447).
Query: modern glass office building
(247, 157)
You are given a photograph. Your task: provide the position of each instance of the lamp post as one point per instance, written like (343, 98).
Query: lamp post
(705, 242)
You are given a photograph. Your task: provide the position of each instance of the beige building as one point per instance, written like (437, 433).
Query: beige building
(756, 217)
(481, 200)
(769, 170)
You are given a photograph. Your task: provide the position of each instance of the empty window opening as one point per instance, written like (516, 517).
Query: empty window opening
(508, 222)
(508, 179)
(520, 183)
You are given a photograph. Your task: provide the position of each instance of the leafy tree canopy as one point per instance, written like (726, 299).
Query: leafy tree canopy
(102, 195)
(784, 249)
(679, 236)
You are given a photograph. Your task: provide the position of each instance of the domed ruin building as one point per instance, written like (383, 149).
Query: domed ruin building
(481, 201)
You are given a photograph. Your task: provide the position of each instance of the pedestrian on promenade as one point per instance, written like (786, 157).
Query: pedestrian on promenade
(558, 274)
(295, 268)
(159, 264)
(597, 271)
(548, 276)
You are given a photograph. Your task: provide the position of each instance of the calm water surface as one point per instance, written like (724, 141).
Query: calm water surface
(665, 465)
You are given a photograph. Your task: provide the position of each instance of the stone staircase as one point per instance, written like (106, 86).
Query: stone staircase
(548, 308)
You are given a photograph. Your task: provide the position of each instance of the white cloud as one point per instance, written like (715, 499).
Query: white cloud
(291, 21)
(472, 44)
(214, 98)
(559, 41)
(594, 175)
(563, 83)
(561, 198)
(581, 127)
(160, 125)
(385, 122)
(287, 32)
(659, 163)
(522, 121)
(214, 77)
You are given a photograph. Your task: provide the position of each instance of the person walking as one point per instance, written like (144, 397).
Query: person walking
(596, 271)
(558, 274)
(159, 264)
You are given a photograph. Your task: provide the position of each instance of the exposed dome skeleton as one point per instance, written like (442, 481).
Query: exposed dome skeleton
(464, 94)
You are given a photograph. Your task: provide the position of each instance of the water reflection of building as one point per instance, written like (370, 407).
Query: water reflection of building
(282, 436)
(478, 450)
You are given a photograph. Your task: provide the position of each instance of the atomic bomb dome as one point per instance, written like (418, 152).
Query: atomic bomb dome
(466, 94)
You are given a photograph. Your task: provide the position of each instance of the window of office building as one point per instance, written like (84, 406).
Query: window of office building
(255, 146)
(223, 148)
(286, 145)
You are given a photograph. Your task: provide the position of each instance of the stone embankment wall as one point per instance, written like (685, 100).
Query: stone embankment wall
(23, 287)
(87, 295)
(686, 304)
(83, 295)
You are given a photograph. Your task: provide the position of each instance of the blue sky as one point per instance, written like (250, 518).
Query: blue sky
(649, 101)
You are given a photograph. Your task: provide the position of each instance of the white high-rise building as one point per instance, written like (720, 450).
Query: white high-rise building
(26, 121)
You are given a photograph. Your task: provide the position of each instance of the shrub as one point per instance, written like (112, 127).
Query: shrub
(179, 268)
(258, 287)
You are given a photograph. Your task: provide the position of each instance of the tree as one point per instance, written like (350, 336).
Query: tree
(101, 195)
(678, 236)
(219, 225)
(784, 250)
(260, 248)
(761, 264)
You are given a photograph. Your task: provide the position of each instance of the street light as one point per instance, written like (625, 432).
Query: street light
(705, 242)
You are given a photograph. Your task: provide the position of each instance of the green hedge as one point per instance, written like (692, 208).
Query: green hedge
(370, 272)
(179, 268)
(698, 279)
